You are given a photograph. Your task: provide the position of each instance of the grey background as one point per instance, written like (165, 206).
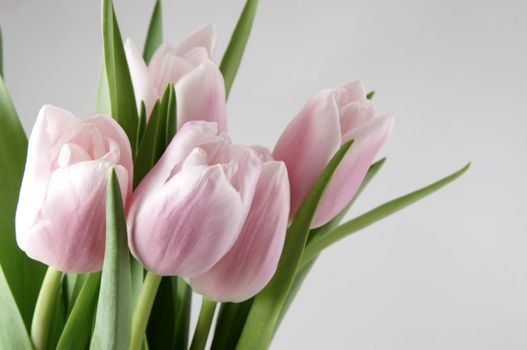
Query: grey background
(447, 273)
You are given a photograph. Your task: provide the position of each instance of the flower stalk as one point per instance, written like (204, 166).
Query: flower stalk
(143, 309)
(206, 314)
(45, 309)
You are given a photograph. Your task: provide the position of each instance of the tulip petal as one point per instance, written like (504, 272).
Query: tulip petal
(201, 96)
(143, 85)
(252, 261)
(369, 138)
(189, 224)
(203, 37)
(190, 136)
(353, 91)
(75, 202)
(51, 123)
(113, 133)
(355, 114)
(308, 143)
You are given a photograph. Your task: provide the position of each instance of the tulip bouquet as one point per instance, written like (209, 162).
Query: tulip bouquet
(109, 224)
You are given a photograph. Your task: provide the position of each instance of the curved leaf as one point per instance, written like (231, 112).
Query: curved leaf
(154, 36)
(23, 275)
(319, 243)
(233, 55)
(121, 93)
(13, 333)
(77, 331)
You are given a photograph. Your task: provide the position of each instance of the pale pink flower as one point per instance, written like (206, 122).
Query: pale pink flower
(60, 218)
(329, 119)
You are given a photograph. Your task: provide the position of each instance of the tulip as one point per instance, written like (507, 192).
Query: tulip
(253, 259)
(329, 119)
(60, 218)
(189, 209)
(200, 89)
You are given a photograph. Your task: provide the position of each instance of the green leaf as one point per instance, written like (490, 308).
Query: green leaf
(265, 311)
(72, 286)
(231, 319)
(320, 242)
(114, 310)
(159, 131)
(1, 55)
(154, 36)
(43, 325)
(168, 326)
(77, 331)
(370, 95)
(183, 307)
(102, 102)
(23, 275)
(142, 125)
(234, 53)
(304, 270)
(122, 100)
(372, 171)
(13, 333)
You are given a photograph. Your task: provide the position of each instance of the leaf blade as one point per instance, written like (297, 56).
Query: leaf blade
(232, 58)
(154, 36)
(121, 93)
(23, 275)
(76, 333)
(113, 318)
(323, 241)
(13, 333)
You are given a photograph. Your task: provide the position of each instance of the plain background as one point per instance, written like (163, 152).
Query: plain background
(448, 273)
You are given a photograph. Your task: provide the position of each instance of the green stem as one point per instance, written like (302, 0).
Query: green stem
(143, 309)
(206, 314)
(45, 309)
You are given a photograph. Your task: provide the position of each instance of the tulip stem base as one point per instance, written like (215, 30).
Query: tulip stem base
(45, 309)
(143, 309)
(206, 314)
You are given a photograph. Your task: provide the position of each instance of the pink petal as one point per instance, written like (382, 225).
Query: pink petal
(308, 143)
(143, 85)
(188, 224)
(70, 231)
(369, 138)
(51, 123)
(203, 37)
(354, 115)
(190, 136)
(201, 96)
(353, 91)
(111, 130)
(252, 261)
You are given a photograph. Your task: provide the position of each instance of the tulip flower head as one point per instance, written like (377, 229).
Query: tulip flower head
(252, 261)
(189, 209)
(331, 118)
(199, 85)
(60, 218)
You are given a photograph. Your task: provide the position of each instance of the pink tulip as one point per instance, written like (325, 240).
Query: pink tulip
(253, 259)
(60, 218)
(200, 90)
(190, 208)
(331, 118)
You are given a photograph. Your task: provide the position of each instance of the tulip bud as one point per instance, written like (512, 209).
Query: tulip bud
(198, 82)
(189, 209)
(252, 261)
(331, 118)
(60, 218)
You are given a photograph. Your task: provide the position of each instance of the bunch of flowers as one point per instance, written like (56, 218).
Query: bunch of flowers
(135, 208)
